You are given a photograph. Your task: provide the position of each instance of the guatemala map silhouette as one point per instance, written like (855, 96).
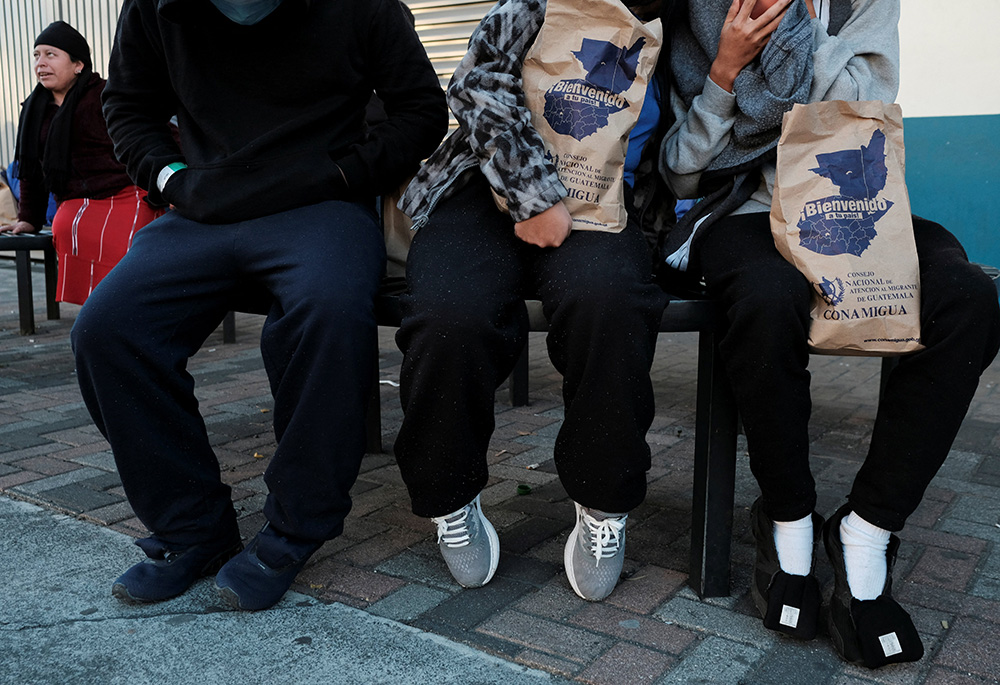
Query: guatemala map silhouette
(581, 107)
(845, 223)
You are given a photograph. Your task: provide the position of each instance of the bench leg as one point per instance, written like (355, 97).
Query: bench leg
(373, 417)
(25, 299)
(519, 380)
(714, 474)
(51, 280)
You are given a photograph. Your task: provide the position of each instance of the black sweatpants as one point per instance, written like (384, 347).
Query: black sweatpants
(464, 325)
(133, 338)
(926, 397)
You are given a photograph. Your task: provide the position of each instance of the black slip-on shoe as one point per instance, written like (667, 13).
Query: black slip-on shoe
(788, 604)
(873, 632)
(166, 572)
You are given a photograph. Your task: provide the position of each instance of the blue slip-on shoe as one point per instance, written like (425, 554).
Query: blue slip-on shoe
(166, 572)
(259, 576)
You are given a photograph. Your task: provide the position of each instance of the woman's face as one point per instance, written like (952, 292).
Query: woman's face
(55, 70)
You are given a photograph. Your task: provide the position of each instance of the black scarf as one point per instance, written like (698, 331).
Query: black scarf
(54, 162)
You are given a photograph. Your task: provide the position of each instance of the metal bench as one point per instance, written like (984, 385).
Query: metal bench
(23, 245)
(716, 423)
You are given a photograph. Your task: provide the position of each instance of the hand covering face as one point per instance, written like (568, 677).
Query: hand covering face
(765, 89)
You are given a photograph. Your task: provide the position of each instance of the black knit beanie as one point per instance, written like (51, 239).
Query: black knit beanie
(61, 35)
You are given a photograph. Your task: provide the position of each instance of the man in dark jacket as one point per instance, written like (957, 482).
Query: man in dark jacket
(273, 188)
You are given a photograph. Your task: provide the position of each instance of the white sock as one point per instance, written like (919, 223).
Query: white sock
(864, 556)
(794, 542)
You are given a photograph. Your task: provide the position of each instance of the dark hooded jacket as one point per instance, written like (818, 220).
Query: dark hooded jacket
(271, 116)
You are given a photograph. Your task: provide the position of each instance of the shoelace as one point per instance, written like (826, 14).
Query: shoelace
(454, 529)
(605, 536)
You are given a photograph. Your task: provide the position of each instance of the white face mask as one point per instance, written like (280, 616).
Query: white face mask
(246, 12)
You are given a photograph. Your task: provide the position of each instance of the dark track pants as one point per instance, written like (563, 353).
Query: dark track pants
(464, 325)
(322, 265)
(926, 397)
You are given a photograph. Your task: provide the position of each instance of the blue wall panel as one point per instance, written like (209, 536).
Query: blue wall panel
(953, 177)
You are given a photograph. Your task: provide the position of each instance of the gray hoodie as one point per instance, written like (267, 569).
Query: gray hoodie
(860, 62)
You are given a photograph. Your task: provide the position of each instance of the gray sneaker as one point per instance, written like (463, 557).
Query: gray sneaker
(469, 544)
(595, 552)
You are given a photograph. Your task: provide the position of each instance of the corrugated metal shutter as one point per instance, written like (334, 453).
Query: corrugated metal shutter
(444, 27)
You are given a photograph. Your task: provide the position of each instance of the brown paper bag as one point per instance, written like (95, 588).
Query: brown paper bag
(398, 233)
(584, 81)
(8, 205)
(841, 215)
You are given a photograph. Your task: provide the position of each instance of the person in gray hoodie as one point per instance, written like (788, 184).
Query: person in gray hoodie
(734, 78)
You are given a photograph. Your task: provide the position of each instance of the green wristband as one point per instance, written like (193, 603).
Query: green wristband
(168, 171)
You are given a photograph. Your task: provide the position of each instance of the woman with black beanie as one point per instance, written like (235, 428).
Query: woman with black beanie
(63, 148)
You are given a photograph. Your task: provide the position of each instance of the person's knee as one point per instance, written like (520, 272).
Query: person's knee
(963, 305)
(962, 291)
(99, 325)
(978, 289)
(773, 301)
(331, 312)
(457, 311)
(451, 330)
(620, 307)
(463, 329)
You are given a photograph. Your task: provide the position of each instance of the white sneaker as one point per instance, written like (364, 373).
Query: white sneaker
(469, 545)
(595, 552)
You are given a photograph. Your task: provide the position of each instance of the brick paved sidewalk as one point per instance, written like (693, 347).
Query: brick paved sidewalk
(652, 628)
